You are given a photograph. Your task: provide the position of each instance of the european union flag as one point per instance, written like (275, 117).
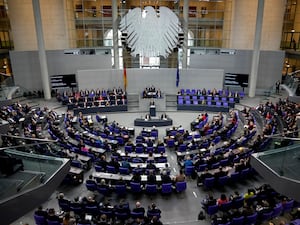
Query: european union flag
(177, 77)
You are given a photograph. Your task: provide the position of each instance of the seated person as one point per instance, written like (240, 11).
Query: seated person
(151, 166)
(102, 220)
(114, 163)
(180, 177)
(220, 173)
(136, 177)
(152, 209)
(125, 164)
(165, 178)
(151, 178)
(208, 201)
(223, 199)
(138, 208)
(203, 176)
(52, 216)
(161, 158)
(188, 162)
(122, 207)
(41, 212)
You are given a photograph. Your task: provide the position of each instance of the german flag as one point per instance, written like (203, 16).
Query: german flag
(125, 78)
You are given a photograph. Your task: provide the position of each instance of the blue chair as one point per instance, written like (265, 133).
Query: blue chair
(139, 149)
(180, 102)
(234, 177)
(76, 163)
(182, 148)
(215, 165)
(237, 221)
(128, 148)
(287, 207)
(222, 181)
(212, 210)
(209, 182)
(135, 215)
(108, 212)
(225, 207)
(111, 169)
(121, 190)
(224, 162)
(180, 186)
(266, 216)
(154, 133)
(161, 149)
(124, 171)
(98, 168)
(136, 188)
(202, 167)
(166, 188)
(277, 210)
(151, 214)
(151, 189)
(49, 222)
(251, 219)
(171, 143)
(103, 190)
(189, 170)
(91, 210)
(40, 220)
(91, 186)
(238, 203)
(121, 216)
(244, 174)
(76, 208)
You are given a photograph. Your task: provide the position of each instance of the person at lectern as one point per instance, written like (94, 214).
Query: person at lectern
(152, 103)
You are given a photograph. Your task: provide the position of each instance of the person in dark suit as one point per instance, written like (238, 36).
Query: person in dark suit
(41, 212)
(220, 173)
(165, 178)
(151, 178)
(138, 208)
(136, 177)
(52, 216)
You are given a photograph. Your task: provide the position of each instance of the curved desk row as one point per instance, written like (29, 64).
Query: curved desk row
(209, 108)
(153, 122)
(90, 110)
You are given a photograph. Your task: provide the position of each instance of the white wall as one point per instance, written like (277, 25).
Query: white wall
(95, 70)
(164, 79)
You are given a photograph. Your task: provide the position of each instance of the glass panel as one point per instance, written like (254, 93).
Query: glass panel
(24, 169)
(283, 161)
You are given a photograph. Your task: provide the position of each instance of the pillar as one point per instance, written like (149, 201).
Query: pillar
(185, 32)
(256, 50)
(115, 33)
(41, 48)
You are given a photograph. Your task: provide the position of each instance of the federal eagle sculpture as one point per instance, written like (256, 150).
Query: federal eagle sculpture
(151, 34)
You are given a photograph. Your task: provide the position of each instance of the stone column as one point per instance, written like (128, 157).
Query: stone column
(115, 33)
(256, 50)
(41, 48)
(185, 32)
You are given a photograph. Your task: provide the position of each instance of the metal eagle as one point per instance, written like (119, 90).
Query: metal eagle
(151, 34)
